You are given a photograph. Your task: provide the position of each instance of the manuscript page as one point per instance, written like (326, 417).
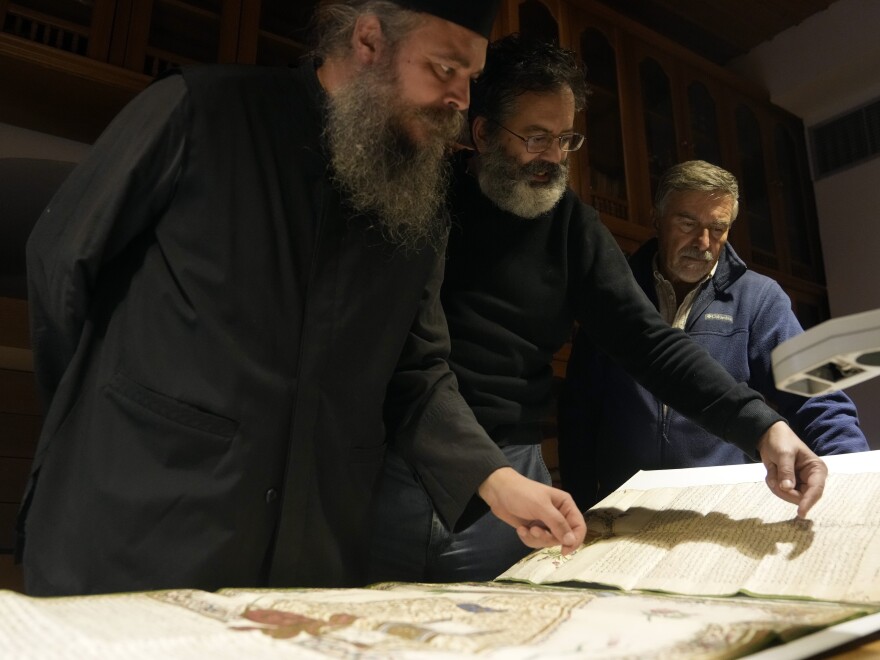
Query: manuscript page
(725, 539)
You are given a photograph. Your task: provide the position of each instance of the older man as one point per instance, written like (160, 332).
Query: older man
(235, 298)
(526, 259)
(610, 427)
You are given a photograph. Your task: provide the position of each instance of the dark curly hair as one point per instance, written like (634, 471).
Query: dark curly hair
(516, 65)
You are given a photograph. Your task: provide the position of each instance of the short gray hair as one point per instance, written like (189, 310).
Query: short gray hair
(696, 175)
(333, 24)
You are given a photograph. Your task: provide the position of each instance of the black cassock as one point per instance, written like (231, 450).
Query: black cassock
(214, 334)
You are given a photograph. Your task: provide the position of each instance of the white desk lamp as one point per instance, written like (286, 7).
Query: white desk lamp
(830, 356)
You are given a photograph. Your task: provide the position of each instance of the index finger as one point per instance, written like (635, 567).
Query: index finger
(575, 527)
(811, 495)
(813, 476)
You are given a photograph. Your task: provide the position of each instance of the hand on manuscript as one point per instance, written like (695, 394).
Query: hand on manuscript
(543, 516)
(794, 472)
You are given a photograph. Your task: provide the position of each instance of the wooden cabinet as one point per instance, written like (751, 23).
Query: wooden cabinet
(80, 28)
(653, 103)
(19, 427)
(149, 36)
(161, 34)
(610, 177)
(168, 33)
(68, 66)
(281, 35)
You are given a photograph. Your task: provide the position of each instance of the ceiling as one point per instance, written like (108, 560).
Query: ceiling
(719, 30)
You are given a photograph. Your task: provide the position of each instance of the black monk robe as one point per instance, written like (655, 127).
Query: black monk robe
(214, 334)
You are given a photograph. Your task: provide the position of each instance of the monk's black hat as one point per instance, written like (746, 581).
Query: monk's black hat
(476, 15)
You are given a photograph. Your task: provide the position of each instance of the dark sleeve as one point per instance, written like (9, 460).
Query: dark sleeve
(620, 320)
(437, 433)
(114, 195)
(828, 424)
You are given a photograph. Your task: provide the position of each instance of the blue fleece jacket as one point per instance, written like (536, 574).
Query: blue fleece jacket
(610, 427)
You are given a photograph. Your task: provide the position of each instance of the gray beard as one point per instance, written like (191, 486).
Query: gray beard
(509, 185)
(381, 169)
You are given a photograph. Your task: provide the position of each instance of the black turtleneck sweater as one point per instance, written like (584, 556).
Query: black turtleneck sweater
(514, 286)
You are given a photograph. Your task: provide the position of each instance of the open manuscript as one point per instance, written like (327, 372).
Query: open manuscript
(727, 539)
(704, 533)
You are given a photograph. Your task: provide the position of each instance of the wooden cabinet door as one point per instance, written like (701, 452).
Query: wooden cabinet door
(72, 26)
(603, 159)
(609, 159)
(777, 229)
(536, 19)
(166, 33)
(274, 32)
(703, 100)
(796, 201)
(19, 415)
(661, 116)
(759, 237)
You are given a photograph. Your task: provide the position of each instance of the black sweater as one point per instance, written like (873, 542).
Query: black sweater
(513, 288)
(214, 333)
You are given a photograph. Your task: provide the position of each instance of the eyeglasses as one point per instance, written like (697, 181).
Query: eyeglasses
(538, 144)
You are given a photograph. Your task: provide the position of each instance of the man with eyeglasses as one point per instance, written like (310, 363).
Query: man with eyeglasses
(526, 259)
(609, 427)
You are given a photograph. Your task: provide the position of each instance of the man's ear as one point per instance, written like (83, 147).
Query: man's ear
(479, 129)
(367, 39)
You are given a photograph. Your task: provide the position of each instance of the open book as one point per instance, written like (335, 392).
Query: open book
(722, 539)
(701, 531)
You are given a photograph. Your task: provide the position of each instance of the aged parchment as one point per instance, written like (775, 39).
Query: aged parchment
(404, 622)
(725, 539)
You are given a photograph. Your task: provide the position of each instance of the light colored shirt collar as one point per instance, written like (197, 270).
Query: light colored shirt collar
(673, 313)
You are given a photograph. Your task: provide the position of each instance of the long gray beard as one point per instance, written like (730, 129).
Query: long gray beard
(381, 169)
(508, 184)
